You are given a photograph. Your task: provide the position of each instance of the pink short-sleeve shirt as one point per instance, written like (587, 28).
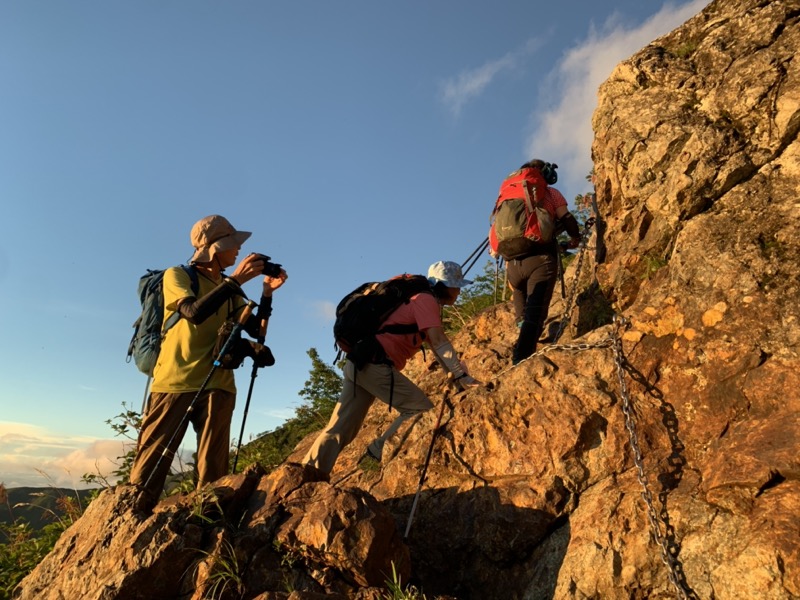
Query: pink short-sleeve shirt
(422, 309)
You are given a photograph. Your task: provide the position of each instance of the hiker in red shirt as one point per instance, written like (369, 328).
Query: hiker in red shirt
(533, 277)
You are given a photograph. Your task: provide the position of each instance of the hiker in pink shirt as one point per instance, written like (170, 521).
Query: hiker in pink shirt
(383, 379)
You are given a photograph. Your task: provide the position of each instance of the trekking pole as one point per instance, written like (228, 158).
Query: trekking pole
(477, 254)
(261, 339)
(428, 457)
(146, 398)
(496, 276)
(248, 309)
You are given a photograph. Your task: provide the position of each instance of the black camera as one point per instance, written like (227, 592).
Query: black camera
(270, 269)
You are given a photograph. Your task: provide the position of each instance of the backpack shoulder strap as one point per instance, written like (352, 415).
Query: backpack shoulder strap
(531, 200)
(170, 322)
(417, 284)
(192, 273)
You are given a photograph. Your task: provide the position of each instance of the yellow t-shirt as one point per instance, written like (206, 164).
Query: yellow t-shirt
(185, 358)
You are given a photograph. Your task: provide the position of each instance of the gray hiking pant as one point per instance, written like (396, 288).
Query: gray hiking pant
(358, 393)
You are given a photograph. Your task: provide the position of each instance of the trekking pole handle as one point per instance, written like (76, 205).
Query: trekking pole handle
(248, 310)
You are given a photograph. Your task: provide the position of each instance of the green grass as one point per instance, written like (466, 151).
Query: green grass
(652, 263)
(686, 49)
(398, 592)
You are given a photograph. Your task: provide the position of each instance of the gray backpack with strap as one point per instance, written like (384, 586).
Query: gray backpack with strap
(149, 329)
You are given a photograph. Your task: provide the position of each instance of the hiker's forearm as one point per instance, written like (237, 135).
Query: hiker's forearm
(256, 325)
(571, 225)
(449, 359)
(198, 310)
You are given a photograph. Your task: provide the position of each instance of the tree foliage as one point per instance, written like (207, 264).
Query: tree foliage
(127, 425)
(488, 288)
(320, 392)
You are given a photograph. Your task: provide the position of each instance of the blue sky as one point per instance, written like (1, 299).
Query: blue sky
(356, 140)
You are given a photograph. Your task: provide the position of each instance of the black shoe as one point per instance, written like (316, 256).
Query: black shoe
(369, 455)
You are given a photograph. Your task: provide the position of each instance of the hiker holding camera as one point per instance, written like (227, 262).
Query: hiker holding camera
(181, 390)
(373, 365)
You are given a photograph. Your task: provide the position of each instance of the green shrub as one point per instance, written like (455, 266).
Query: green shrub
(320, 392)
(22, 547)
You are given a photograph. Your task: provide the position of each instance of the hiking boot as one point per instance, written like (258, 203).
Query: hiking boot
(526, 342)
(144, 500)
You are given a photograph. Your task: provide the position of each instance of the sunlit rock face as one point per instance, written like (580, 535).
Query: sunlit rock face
(548, 481)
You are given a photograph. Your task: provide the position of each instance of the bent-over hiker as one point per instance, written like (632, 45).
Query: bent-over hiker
(384, 381)
(533, 277)
(187, 356)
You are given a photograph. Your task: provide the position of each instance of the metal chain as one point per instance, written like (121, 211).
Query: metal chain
(604, 343)
(614, 341)
(571, 296)
(630, 424)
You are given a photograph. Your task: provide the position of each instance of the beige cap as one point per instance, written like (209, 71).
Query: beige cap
(213, 234)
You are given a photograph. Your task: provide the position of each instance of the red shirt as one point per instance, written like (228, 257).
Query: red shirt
(422, 310)
(552, 200)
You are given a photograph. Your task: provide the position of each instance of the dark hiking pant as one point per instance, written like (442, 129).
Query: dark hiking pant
(532, 280)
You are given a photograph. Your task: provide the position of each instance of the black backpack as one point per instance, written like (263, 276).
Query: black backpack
(360, 316)
(149, 329)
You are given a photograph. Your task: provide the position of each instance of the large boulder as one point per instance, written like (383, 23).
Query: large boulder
(533, 490)
(250, 535)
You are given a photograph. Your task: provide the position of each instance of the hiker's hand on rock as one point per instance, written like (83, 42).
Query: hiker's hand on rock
(273, 283)
(574, 242)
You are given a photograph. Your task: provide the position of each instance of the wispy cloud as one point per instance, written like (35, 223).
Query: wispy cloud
(325, 310)
(456, 91)
(564, 128)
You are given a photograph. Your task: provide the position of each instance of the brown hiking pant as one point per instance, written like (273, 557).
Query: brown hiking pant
(211, 419)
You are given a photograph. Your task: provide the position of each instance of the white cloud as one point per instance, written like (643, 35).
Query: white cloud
(457, 91)
(565, 129)
(325, 310)
(33, 456)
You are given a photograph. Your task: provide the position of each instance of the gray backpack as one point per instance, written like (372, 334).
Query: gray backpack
(149, 329)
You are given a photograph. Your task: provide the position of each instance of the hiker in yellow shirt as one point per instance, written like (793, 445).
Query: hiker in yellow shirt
(187, 355)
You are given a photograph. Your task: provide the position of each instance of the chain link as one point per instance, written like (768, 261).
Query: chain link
(614, 341)
(630, 423)
(571, 296)
(604, 343)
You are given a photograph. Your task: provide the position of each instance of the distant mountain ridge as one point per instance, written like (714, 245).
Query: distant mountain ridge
(36, 505)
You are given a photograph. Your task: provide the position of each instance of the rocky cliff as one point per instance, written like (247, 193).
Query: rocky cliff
(653, 456)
